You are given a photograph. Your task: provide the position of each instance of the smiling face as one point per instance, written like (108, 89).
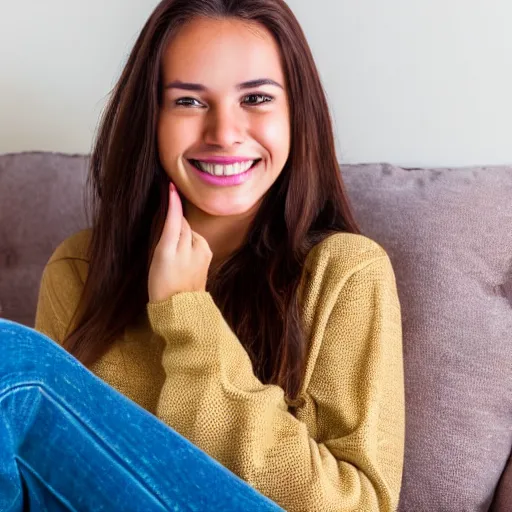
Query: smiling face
(224, 102)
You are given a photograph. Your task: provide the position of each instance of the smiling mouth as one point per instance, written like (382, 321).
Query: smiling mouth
(225, 170)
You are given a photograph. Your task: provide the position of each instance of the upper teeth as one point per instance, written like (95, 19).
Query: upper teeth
(225, 170)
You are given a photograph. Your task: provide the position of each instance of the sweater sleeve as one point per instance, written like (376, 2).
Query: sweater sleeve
(353, 462)
(59, 293)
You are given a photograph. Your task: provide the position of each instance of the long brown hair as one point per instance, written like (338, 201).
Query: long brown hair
(257, 289)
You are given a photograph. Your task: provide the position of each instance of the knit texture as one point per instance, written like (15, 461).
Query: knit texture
(341, 449)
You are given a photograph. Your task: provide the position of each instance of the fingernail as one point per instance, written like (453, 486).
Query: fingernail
(172, 188)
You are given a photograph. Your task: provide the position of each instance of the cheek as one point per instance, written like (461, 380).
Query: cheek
(165, 139)
(274, 134)
(168, 146)
(174, 137)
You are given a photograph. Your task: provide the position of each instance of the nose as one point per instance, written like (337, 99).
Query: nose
(223, 127)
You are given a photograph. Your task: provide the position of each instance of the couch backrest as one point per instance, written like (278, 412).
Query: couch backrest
(41, 198)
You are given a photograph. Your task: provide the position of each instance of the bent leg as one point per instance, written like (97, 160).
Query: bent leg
(68, 441)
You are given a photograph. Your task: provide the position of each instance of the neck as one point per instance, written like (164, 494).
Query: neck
(224, 234)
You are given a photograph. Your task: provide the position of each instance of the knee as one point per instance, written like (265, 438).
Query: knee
(25, 350)
(17, 335)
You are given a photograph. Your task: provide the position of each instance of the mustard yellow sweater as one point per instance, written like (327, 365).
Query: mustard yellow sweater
(342, 450)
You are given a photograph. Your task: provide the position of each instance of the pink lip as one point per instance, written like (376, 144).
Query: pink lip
(225, 181)
(224, 160)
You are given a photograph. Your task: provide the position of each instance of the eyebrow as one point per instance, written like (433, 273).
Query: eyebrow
(177, 84)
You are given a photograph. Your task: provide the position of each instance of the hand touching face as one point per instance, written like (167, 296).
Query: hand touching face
(182, 257)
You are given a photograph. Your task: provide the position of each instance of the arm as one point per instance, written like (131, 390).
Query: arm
(355, 398)
(59, 293)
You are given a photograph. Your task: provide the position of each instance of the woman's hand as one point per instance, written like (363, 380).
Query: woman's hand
(182, 257)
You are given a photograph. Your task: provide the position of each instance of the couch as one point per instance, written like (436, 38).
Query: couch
(448, 233)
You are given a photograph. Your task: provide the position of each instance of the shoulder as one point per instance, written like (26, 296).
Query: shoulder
(350, 262)
(69, 264)
(73, 248)
(344, 254)
(352, 271)
(61, 286)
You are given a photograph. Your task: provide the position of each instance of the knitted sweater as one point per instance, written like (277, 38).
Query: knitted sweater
(341, 450)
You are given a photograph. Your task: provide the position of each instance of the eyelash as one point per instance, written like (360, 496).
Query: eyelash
(266, 97)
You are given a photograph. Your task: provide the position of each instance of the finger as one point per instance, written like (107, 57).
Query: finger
(172, 227)
(200, 242)
(185, 241)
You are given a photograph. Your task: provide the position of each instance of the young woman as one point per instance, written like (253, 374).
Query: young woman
(224, 287)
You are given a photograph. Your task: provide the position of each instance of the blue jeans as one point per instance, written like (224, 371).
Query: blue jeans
(68, 441)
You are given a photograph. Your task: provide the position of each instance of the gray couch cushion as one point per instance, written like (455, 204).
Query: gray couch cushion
(449, 235)
(41, 197)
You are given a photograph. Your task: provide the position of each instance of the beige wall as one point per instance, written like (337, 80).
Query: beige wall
(411, 82)
(58, 61)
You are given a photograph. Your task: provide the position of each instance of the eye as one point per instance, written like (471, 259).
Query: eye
(258, 99)
(188, 102)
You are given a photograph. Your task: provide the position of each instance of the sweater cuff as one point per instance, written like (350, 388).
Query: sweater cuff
(184, 312)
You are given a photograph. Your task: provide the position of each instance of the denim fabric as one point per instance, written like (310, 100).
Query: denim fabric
(68, 441)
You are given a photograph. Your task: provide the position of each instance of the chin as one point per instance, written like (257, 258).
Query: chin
(226, 209)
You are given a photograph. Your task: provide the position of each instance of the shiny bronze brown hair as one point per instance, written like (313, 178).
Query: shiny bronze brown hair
(257, 289)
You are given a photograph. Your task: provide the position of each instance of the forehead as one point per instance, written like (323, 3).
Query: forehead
(222, 51)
